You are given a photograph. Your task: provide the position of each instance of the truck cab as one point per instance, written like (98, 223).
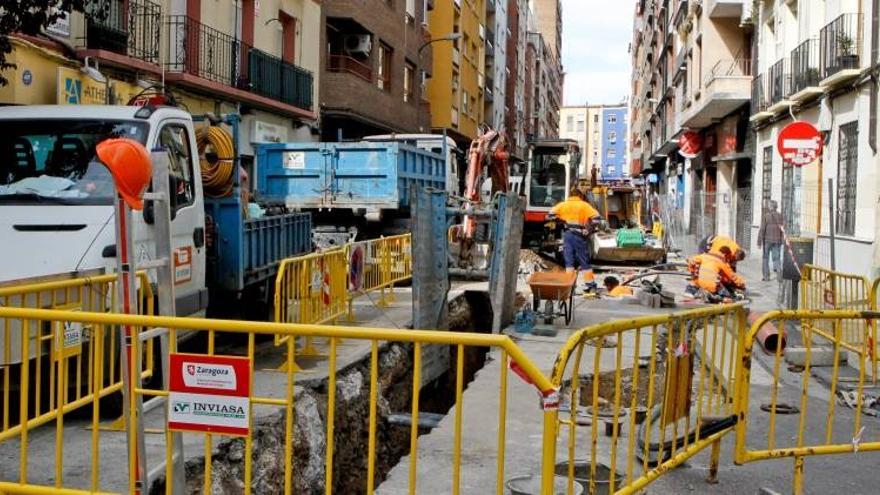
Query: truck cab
(56, 199)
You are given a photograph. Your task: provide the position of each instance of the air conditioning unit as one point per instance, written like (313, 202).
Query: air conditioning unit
(358, 44)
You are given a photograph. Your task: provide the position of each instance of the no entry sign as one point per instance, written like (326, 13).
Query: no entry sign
(209, 394)
(800, 143)
(689, 144)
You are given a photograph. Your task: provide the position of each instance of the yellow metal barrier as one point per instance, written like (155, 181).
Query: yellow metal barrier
(823, 290)
(793, 397)
(212, 330)
(663, 386)
(311, 289)
(19, 489)
(316, 288)
(49, 369)
(387, 261)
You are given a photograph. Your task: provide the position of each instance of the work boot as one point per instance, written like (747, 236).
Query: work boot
(590, 287)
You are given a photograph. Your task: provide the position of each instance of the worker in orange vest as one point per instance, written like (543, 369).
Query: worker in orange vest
(579, 219)
(712, 273)
(725, 246)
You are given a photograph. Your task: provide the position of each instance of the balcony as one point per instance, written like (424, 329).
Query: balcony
(760, 99)
(725, 9)
(779, 82)
(269, 76)
(805, 71)
(350, 65)
(840, 44)
(127, 36)
(210, 60)
(456, 57)
(726, 87)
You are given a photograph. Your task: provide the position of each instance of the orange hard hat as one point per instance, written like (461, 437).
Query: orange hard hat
(129, 163)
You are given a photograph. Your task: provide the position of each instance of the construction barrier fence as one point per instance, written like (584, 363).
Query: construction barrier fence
(641, 396)
(52, 368)
(822, 400)
(265, 394)
(320, 288)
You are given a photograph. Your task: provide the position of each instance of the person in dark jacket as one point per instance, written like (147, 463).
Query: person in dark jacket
(771, 236)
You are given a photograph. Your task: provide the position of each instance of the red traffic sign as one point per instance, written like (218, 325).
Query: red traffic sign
(800, 143)
(689, 144)
(209, 394)
(356, 269)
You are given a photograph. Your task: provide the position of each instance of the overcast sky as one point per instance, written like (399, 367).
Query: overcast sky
(595, 38)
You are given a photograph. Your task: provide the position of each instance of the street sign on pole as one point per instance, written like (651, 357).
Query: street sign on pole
(800, 143)
(209, 394)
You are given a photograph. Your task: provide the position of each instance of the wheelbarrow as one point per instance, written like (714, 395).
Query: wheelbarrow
(556, 290)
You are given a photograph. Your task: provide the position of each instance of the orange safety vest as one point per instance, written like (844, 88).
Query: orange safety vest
(710, 271)
(575, 211)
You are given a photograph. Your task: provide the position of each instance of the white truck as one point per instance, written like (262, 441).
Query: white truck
(57, 215)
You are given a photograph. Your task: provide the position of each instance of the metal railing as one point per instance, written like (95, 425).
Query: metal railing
(344, 63)
(128, 28)
(320, 288)
(760, 94)
(203, 51)
(52, 369)
(822, 289)
(412, 343)
(791, 398)
(729, 68)
(680, 370)
(841, 43)
(272, 77)
(805, 65)
(779, 81)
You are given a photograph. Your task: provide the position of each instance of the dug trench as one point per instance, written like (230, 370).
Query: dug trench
(471, 311)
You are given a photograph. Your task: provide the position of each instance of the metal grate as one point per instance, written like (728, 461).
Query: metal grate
(847, 170)
(766, 178)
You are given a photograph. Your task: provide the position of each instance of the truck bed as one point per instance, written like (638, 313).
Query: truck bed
(361, 175)
(247, 251)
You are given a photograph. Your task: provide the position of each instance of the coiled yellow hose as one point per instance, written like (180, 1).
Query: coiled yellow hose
(216, 172)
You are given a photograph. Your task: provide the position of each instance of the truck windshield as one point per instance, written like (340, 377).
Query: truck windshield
(548, 178)
(53, 161)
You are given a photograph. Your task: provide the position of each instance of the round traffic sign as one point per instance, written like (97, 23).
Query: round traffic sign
(800, 143)
(689, 144)
(356, 269)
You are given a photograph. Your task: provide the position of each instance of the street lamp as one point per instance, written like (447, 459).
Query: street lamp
(447, 37)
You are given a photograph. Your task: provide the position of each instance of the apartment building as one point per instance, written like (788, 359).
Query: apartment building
(518, 13)
(613, 149)
(814, 63)
(257, 58)
(692, 70)
(574, 124)
(375, 57)
(455, 90)
(495, 93)
(545, 34)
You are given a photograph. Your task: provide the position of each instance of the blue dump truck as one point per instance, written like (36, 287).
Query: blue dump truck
(359, 189)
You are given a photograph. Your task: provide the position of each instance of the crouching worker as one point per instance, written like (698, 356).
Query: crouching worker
(579, 219)
(612, 285)
(713, 274)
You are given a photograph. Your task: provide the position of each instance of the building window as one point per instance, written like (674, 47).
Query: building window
(596, 136)
(411, 10)
(612, 137)
(612, 154)
(569, 123)
(847, 170)
(580, 126)
(465, 103)
(767, 177)
(409, 71)
(383, 81)
(612, 119)
(596, 118)
(610, 170)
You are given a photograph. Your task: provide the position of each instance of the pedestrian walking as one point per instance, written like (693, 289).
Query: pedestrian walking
(771, 237)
